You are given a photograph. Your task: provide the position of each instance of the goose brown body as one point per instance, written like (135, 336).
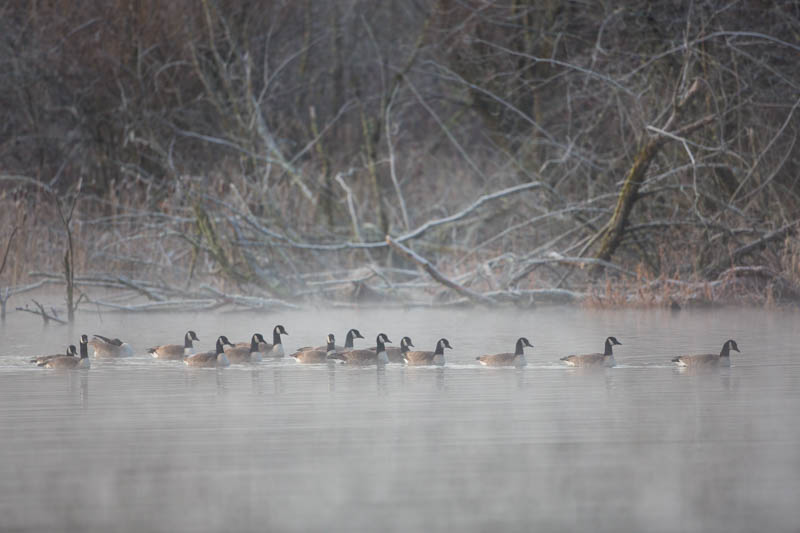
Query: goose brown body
(69, 361)
(515, 358)
(105, 347)
(436, 357)
(245, 354)
(210, 359)
(594, 359)
(275, 349)
(42, 359)
(175, 351)
(397, 354)
(708, 359)
(365, 357)
(316, 356)
(348, 343)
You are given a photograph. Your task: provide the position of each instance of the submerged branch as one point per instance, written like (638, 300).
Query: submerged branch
(40, 311)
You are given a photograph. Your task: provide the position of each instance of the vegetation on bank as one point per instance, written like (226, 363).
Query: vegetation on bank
(223, 152)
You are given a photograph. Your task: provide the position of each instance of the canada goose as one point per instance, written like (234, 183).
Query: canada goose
(348, 343)
(398, 355)
(42, 359)
(276, 348)
(316, 356)
(365, 357)
(246, 354)
(175, 351)
(213, 358)
(594, 359)
(708, 359)
(69, 361)
(105, 347)
(428, 358)
(507, 359)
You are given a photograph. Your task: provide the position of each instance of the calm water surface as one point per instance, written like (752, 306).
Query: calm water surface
(144, 445)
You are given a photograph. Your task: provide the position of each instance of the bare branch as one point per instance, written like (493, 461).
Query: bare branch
(438, 276)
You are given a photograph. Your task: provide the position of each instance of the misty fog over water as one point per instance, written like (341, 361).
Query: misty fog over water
(144, 445)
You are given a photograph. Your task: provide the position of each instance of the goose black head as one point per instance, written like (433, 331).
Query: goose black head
(382, 339)
(613, 340)
(444, 343)
(72, 350)
(192, 335)
(356, 334)
(280, 330)
(84, 346)
(224, 340)
(732, 344)
(525, 342)
(406, 341)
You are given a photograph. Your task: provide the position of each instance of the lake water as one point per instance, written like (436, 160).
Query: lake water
(144, 445)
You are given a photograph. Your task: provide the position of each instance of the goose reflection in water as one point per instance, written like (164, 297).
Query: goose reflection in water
(380, 380)
(277, 381)
(221, 389)
(85, 389)
(256, 382)
(440, 384)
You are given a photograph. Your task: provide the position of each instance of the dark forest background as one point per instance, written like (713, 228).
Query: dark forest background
(619, 152)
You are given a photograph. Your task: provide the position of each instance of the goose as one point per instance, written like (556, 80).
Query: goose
(105, 347)
(269, 350)
(246, 354)
(365, 357)
(594, 359)
(348, 343)
(398, 355)
(42, 359)
(507, 359)
(316, 356)
(428, 358)
(212, 358)
(709, 359)
(69, 361)
(175, 351)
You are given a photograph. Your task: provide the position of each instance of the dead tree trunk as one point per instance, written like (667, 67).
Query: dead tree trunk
(612, 233)
(4, 297)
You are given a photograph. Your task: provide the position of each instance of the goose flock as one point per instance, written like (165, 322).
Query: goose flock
(257, 349)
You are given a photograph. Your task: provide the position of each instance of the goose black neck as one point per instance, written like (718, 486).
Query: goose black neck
(726, 349)
(379, 345)
(331, 346)
(348, 341)
(187, 341)
(519, 349)
(404, 347)
(84, 350)
(276, 336)
(254, 344)
(439, 348)
(608, 350)
(220, 347)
